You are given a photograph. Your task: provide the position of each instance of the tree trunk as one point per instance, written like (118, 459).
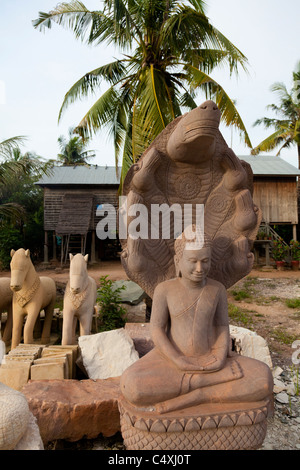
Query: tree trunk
(298, 146)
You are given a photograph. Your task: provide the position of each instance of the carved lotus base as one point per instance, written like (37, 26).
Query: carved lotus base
(206, 427)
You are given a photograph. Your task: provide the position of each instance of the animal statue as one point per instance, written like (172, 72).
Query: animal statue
(31, 294)
(6, 306)
(79, 300)
(189, 164)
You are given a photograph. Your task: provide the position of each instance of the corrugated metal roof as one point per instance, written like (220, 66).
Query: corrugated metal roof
(80, 175)
(270, 165)
(267, 165)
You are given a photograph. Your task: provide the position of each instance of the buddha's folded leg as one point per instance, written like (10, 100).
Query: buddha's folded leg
(253, 383)
(150, 380)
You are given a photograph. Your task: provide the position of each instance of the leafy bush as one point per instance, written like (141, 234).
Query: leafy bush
(295, 250)
(279, 250)
(10, 238)
(112, 314)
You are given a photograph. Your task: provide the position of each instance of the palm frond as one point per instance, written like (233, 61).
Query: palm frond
(112, 72)
(229, 114)
(270, 143)
(7, 146)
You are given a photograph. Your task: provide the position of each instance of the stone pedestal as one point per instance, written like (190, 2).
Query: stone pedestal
(205, 427)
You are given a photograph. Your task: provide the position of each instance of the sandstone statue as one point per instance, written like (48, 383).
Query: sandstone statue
(31, 295)
(79, 300)
(191, 391)
(190, 164)
(18, 428)
(6, 306)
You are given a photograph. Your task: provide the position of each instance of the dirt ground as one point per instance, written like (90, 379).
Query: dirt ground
(259, 301)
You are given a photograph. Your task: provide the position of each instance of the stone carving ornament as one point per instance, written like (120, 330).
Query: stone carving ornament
(190, 163)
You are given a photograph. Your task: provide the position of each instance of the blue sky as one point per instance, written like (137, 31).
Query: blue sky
(37, 69)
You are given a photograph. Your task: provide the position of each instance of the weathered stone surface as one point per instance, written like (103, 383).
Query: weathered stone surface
(49, 370)
(15, 374)
(31, 440)
(250, 344)
(132, 294)
(73, 409)
(107, 354)
(140, 334)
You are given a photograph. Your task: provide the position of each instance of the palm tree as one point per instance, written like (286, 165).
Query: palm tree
(73, 150)
(169, 50)
(287, 127)
(14, 165)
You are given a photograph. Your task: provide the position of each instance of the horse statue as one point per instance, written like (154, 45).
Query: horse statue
(79, 300)
(6, 306)
(31, 294)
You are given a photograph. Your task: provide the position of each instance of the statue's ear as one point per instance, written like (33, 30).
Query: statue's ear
(27, 253)
(71, 256)
(86, 258)
(12, 252)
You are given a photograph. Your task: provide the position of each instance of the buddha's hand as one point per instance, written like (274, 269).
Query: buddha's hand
(207, 362)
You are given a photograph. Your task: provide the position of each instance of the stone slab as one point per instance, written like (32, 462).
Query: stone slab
(107, 354)
(74, 409)
(49, 371)
(15, 374)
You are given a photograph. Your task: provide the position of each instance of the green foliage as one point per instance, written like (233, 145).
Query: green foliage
(279, 250)
(21, 202)
(10, 238)
(73, 150)
(240, 294)
(170, 49)
(293, 303)
(239, 316)
(295, 250)
(112, 314)
(286, 128)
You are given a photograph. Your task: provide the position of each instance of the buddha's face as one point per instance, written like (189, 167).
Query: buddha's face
(194, 265)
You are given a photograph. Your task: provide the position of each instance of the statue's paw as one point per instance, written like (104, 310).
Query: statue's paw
(242, 259)
(245, 217)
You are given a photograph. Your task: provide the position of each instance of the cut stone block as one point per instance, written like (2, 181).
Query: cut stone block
(49, 371)
(65, 349)
(15, 374)
(74, 409)
(107, 354)
(54, 360)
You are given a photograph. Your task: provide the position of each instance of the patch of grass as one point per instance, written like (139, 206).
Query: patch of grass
(240, 294)
(293, 303)
(251, 281)
(271, 286)
(239, 316)
(282, 336)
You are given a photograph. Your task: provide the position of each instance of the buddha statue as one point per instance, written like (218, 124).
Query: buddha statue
(192, 362)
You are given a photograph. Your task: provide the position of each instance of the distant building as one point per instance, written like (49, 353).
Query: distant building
(275, 189)
(71, 197)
